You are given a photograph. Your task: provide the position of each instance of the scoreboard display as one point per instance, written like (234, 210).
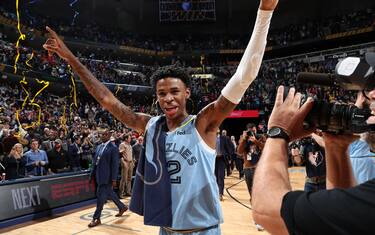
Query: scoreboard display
(187, 10)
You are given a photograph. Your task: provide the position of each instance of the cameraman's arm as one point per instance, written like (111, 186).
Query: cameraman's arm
(339, 168)
(318, 139)
(271, 180)
(271, 183)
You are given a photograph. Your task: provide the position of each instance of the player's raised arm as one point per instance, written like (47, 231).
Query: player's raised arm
(212, 116)
(100, 92)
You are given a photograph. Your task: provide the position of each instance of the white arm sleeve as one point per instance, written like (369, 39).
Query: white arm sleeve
(251, 60)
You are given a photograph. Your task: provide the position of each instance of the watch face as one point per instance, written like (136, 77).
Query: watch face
(274, 131)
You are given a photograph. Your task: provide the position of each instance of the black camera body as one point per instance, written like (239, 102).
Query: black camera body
(249, 133)
(351, 73)
(306, 141)
(338, 118)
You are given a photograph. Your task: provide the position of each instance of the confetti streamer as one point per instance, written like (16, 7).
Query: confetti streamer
(32, 2)
(74, 17)
(73, 2)
(45, 83)
(63, 120)
(28, 60)
(118, 88)
(23, 82)
(76, 13)
(73, 91)
(21, 37)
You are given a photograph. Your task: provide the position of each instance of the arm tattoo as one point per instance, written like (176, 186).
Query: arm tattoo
(106, 99)
(215, 113)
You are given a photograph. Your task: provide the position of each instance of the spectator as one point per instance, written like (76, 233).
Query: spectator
(223, 146)
(15, 163)
(36, 160)
(137, 150)
(9, 140)
(58, 158)
(87, 151)
(238, 161)
(49, 143)
(75, 152)
(127, 166)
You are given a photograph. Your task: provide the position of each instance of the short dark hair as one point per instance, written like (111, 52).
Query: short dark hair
(172, 71)
(250, 125)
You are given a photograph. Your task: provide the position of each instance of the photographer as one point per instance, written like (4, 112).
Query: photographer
(294, 153)
(250, 147)
(343, 209)
(314, 156)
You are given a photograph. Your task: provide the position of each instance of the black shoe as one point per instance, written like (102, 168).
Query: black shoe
(121, 212)
(94, 223)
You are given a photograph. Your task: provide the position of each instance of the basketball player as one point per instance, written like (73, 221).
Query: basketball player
(189, 147)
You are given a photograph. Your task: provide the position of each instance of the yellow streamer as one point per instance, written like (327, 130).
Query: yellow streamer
(39, 112)
(118, 88)
(24, 82)
(63, 120)
(27, 61)
(21, 37)
(73, 91)
(46, 84)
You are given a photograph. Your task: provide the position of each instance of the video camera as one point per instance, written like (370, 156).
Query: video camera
(351, 73)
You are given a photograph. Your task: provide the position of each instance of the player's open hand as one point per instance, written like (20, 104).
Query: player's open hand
(268, 5)
(54, 44)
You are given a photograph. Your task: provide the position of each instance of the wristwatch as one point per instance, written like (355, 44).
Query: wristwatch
(277, 132)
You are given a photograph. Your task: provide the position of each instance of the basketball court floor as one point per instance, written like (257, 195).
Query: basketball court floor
(236, 209)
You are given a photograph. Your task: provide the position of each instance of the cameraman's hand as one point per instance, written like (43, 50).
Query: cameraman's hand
(244, 134)
(288, 115)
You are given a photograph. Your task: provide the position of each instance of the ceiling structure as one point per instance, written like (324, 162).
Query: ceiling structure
(232, 16)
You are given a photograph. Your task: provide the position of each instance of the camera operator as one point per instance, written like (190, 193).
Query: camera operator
(314, 156)
(250, 148)
(361, 151)
(343, 209)
(295, 154)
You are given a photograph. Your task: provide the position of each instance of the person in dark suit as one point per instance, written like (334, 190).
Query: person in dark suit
(222, 152)
(74, 152)
(105, 171)
(49, 144)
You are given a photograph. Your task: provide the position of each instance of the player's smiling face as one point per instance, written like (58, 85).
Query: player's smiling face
(172, 94)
